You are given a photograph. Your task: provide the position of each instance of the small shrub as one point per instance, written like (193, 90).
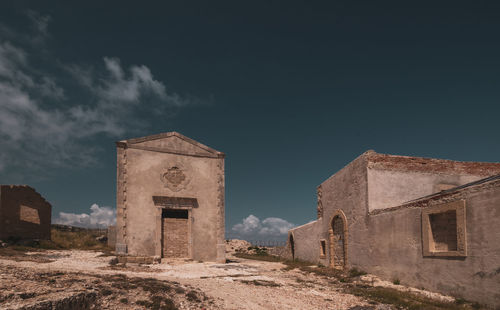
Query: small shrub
(356, 273)
(192, 296)
(124, 300)
(460, 301)
(27, 295)
(114, 261)
(106, 292)
(261, 283)
(396, 282)
(179, 290)
(144, 303)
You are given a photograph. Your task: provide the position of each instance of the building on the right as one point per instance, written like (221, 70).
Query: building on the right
(429, 223)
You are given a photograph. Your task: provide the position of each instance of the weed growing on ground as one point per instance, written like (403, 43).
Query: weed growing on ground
(264, 257)
(260, 283)
(374, 295)
(193, 296)
(404, 300)
(356, 273)
(258, 250)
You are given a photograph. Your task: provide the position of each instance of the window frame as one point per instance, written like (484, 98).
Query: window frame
(427, 238)
(322, 248)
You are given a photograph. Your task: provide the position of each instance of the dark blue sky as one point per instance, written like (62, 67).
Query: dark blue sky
(291, 91)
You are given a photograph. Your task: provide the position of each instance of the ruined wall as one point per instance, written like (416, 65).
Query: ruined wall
(393, 247)
(140, 173)
(24, 213)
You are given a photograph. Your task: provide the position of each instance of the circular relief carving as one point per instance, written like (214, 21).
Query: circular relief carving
(174, 177)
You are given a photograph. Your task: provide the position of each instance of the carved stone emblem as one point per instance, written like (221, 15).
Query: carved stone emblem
(174, 177)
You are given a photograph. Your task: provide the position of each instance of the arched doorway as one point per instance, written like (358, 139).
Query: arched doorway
(338, 240)
(292, 245)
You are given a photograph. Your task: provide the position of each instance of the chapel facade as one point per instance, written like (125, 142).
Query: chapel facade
(170, 198)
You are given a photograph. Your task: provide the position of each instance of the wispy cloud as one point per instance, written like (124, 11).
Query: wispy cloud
(99, 217)
(42, 125)
(269, 228)
(40, 23)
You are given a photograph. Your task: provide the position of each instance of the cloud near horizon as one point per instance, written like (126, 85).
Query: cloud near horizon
(99, 217)
(268, 228)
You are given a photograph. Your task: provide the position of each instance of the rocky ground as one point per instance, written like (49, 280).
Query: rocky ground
(74, 279)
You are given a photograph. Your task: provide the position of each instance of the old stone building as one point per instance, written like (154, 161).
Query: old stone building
(170, 198)
(429, 223)
(24, 213)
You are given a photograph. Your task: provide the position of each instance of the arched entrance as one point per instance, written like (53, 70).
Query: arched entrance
(338, 240)
(292, 245)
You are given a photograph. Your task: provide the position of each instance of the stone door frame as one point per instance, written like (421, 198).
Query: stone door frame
(162, 205)
(340, 214)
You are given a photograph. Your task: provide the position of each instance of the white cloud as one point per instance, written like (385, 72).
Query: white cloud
(269, 228)
(99, 217)
(43, 127)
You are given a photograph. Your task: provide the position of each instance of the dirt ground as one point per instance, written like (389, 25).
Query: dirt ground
(30, 279)
(73, 276)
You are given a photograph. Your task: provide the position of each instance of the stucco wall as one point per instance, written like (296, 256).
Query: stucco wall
(394, 248)
(347, 191)
(138, 216)
(306, 241)
(24, 213)
(388, 188)
(388, 242)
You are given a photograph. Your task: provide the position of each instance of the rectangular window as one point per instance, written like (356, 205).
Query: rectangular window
(322, 252)
(443, 230)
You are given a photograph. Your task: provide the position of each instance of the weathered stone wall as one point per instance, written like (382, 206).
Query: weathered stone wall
(388, 188)
(141, 170)
(306, 244)
(384, 230)
(347, 191)
(24, 213)
(111, 234)
(393, 247)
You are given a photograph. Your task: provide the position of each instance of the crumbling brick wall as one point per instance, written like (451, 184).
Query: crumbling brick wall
(24, 213)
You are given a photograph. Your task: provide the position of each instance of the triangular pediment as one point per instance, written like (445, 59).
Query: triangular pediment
(172, 142)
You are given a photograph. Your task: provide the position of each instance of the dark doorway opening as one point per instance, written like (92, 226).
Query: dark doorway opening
(174, 214)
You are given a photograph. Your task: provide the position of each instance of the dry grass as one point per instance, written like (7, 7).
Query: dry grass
(406, 300)
(81, 239)
(399, 299)
(260, 283)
